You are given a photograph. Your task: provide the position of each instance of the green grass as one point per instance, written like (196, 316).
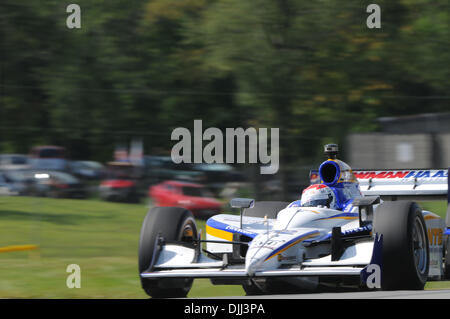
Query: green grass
(101, 237)
(437, 207)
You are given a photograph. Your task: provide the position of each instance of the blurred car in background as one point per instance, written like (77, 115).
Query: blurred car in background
(161, 168)
(217, 175)
(49, 158)
(14, 162)
(57, 184)
(5, 188)
(121, 182)
(194, 197)
(88, 170)
(16, 182)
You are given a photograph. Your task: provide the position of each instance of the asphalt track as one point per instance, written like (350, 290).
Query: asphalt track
(398, 294)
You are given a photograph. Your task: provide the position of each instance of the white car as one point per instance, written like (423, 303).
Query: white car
(9, 162)
(348, 231)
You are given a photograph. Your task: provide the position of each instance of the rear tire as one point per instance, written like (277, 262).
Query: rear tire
(447, 246)
(446, 257)
(173, 224)
(405, 255)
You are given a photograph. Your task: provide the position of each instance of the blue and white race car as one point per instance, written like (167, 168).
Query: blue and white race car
(352, 229)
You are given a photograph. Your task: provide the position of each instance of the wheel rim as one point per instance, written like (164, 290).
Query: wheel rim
(419, 246)
(188, 232)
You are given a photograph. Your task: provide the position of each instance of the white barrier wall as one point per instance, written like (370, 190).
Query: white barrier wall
(394, 151)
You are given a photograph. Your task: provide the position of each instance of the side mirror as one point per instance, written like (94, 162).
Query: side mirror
(242, 203)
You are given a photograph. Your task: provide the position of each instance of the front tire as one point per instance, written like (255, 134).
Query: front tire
(405, 254)
(173, 224)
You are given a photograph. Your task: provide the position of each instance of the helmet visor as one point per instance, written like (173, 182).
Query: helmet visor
(318, 202)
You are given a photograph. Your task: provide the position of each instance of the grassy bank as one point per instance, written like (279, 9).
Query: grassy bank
(101, 237)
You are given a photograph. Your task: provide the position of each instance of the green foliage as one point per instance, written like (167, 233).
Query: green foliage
(142, 68)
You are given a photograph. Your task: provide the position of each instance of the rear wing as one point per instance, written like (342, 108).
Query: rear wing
(413, 184)
(405, 184)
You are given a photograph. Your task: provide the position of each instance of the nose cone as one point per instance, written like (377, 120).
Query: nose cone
(253, 264)
(264, 251)
(257, 256)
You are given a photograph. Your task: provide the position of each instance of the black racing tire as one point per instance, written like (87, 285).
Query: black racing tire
(446, 253)
(406, 252)
(261, 209)
(446, 246)
(173, 224)
(265, 208)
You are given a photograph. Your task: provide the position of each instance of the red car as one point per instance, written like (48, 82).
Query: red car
(194, 197)
(120, 183)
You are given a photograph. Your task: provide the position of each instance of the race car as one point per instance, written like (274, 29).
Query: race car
(357, 229)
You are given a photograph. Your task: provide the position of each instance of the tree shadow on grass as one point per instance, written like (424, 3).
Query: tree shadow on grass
(56, 218)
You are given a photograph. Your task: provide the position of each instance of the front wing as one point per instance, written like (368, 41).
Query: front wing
(239, 272)
(177, 261)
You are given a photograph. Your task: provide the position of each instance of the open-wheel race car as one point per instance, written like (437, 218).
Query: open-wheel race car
(358, 229)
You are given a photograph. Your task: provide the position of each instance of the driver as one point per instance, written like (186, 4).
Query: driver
(317, 195)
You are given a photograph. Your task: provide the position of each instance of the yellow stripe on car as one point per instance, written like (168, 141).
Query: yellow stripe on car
(219, 233)
(340, 217)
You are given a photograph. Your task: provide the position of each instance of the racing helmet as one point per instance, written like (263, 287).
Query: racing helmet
(318, 195)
